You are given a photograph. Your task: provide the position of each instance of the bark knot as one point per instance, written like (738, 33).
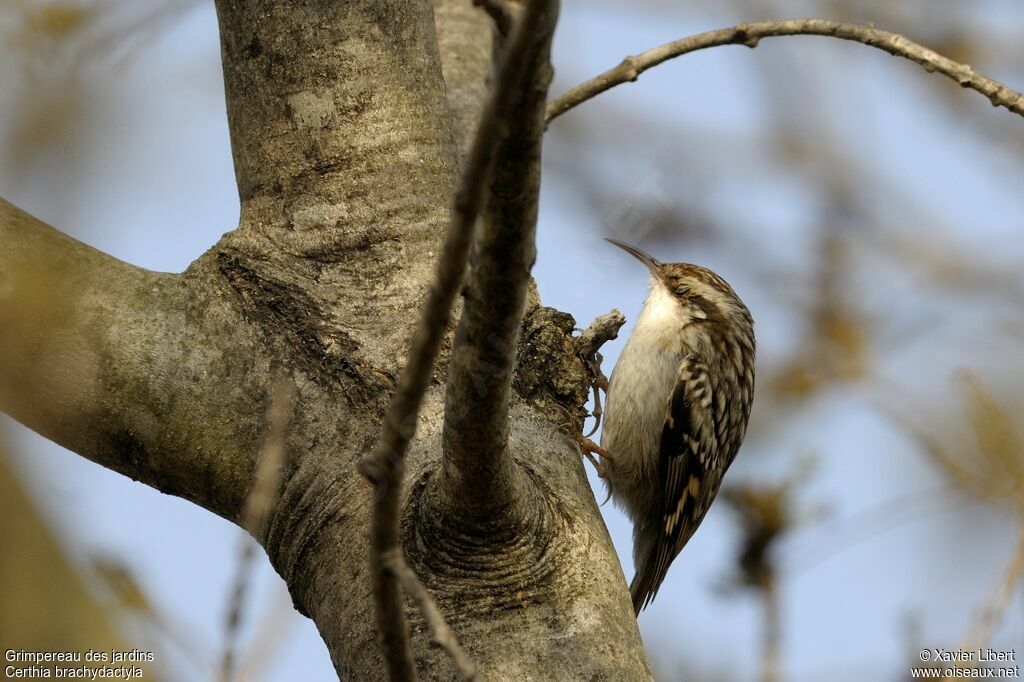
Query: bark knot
(292, 322)
(496, 565)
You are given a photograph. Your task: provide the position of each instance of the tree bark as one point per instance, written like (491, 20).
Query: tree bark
(347, 140)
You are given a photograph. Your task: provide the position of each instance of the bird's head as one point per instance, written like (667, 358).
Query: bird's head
(702, 294)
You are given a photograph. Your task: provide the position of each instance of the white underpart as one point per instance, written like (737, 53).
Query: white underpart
(638, 395)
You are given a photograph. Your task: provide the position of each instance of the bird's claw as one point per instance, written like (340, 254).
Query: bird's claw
(590, 448)
(599, 384)
(602, 473)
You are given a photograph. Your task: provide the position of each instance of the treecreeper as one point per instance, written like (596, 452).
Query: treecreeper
(678, 404)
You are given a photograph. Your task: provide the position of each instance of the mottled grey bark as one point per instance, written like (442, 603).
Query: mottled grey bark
(347, 143)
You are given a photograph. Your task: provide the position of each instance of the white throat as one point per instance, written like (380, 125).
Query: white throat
(662, 312)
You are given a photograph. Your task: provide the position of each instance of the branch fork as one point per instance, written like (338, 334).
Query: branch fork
(507, 115)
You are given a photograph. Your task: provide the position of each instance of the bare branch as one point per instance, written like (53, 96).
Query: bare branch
(92, 347)
(502, 12)
(749, 34)
(384, 466)
(478, 472)
(346, 164)
(55, 299)
(117, 364)
(439, 630)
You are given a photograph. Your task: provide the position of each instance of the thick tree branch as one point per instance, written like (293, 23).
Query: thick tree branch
(303, 74)
(478, 471)
(345, 158)
(58, 297)
(749, 35)
(384, 467)
(465, 38)
(106, 359)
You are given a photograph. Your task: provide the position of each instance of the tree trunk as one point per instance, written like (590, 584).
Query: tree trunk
(348, 123)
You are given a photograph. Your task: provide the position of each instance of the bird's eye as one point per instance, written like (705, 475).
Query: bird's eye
(682, 290)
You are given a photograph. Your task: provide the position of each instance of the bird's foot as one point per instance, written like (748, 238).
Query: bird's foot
(600, 384)
(590, 448)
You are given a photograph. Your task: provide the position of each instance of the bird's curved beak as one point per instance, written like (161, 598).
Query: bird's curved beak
(652, 264)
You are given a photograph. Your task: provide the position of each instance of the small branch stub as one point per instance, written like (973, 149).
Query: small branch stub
(604, 328)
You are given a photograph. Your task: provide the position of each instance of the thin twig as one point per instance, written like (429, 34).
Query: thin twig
(236, 602)
(749, 35)
(843, 535)
(159, 628)
(269, 638)
(384, 467)
(264, 493)
(258, 504)
(991, 612)
(441, 634)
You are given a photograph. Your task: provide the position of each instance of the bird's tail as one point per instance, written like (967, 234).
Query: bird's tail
(644, 585)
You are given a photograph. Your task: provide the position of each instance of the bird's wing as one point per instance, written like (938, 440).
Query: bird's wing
(688, 447)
